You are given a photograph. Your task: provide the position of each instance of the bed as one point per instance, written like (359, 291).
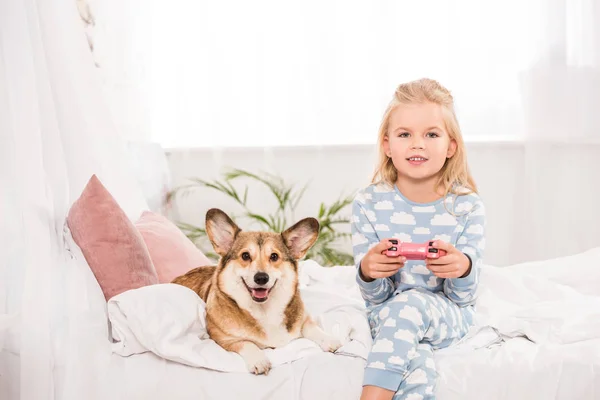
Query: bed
(538, 328)
(537, 337)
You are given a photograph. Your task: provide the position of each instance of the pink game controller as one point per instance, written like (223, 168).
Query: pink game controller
(414, 251)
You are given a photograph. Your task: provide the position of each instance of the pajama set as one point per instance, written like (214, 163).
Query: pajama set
(414, 312)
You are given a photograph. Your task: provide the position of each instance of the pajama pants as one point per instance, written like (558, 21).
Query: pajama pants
(406, 328)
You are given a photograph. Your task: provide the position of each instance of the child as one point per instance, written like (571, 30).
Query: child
(422, 191)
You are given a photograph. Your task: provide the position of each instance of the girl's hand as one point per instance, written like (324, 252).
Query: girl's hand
(375, 265)
(455, 264)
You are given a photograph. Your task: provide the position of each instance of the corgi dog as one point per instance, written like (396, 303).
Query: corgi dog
(252, 296)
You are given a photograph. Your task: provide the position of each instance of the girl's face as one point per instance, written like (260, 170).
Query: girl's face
(417, 141)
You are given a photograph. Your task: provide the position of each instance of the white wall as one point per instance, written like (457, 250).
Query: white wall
(541, 200)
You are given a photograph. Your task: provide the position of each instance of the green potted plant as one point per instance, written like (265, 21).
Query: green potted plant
(329, 247)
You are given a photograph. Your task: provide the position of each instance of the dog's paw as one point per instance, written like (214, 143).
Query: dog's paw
(330, 344)
(258, 363)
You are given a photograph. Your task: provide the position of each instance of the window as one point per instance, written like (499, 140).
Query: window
(268, 73)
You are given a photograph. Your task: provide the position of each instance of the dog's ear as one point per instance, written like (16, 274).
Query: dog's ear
(300, 237)
(221, 230)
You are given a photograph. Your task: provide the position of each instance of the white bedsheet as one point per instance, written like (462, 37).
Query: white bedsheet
(536, 339)
(169, 321)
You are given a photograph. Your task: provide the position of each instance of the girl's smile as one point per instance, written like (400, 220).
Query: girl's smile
(416, 160)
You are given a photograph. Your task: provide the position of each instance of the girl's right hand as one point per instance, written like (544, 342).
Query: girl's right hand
(376, 265)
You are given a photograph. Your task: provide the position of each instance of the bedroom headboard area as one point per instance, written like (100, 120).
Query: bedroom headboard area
(541, 198)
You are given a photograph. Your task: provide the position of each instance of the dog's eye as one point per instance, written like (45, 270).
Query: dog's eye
(274, 257)
(245, 256)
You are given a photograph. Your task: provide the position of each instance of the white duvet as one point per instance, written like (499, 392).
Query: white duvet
(529, 300)
(537, 333)
(169, 321)
(555, 301)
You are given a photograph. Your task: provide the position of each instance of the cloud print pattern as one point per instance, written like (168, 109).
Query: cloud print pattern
(374, 220)
(414, 312)
(406, 330)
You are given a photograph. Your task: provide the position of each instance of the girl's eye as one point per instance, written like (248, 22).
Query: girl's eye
(432, 134)
(245, 256)
(403, 134)
(274, 257)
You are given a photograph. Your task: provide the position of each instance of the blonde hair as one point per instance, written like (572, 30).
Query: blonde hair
(455, 176)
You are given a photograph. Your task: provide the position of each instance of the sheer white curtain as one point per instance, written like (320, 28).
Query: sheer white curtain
(55, 132)
(561, 141)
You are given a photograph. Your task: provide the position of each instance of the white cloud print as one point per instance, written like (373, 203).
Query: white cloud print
(407, 278)
(360, 197)
(398, 198)
(368, 228)
(382, 227)
(390, 322)
(403, 237)
(444, 219)
(370, 214)
(354, 219)
(401, 298)
(418, 376)
(403, 218)
(396, 360)
(433, 281)
(420, 269)
(414, 396)
(444, 238)
(412, 354)
(384, 205)
(384, 312)
(421, 209)
(383, 346)
(412, 314)
(465, 206)
(358, 239)
(421, 231)
(404, 334)
(476, 229)
(376, 365)
(462, 240)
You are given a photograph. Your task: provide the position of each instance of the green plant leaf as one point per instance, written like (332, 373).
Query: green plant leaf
(297, 196)
(262, 220)
(322, 210)
(326, 250)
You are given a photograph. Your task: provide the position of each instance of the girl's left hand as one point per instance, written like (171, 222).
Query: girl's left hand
(455, 264)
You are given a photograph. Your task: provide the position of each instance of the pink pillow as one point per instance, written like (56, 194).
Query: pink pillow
(110, 243)
(172, 253)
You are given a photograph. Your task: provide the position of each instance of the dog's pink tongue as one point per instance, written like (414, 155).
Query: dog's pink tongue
(259, 293)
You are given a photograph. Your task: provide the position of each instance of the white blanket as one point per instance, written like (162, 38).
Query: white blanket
(547, 302)
(519, 304)
(169, 320)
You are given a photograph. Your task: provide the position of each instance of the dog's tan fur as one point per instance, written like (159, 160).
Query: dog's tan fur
(234, 318)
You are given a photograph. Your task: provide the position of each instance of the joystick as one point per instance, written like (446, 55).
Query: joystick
(414, 251)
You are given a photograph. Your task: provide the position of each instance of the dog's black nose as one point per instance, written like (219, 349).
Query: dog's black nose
(261, 278)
